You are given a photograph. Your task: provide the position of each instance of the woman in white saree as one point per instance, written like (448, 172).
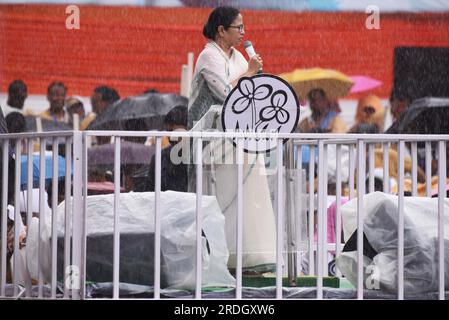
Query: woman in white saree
(218, 69)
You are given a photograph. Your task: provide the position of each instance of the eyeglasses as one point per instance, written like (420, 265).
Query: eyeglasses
(240, 27)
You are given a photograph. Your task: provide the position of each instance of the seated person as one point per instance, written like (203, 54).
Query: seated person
(56, 95)
(17, 94)
(399, 102)
(369, 111)
(102, 97)
(73, 106)
(173, 176)
(324, 116)
(393, 168)
(15, 122)
(129, 169)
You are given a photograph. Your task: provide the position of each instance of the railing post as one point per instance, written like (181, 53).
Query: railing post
(280, 220)
(320, 218)
(442, 167)
(157, 220)
(116, 236)
(4, 214)
(76, 283)
(361, 174)
(199, 217)
(291, 221)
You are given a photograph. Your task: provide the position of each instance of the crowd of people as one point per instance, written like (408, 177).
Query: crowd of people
(61, 107)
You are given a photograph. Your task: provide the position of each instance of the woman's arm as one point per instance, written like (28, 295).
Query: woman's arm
(214, 70)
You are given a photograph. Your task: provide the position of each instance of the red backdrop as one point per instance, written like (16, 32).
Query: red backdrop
(134, 49)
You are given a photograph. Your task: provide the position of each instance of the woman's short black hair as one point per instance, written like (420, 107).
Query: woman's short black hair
(220, 16)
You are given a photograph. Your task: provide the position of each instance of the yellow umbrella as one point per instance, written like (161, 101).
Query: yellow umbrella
(333, 82)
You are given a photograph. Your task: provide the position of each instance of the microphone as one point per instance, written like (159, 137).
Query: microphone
(250, 51)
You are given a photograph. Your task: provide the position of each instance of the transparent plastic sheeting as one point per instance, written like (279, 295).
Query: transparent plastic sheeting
(380, 226)
(178, 240)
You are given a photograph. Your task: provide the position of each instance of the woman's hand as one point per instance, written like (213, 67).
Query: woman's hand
(254, 64)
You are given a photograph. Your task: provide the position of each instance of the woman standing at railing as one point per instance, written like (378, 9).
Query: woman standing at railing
(218, 69)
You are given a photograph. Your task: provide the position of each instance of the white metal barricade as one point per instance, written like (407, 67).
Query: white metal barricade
(293, 175)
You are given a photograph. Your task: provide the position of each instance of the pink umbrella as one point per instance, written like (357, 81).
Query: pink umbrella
(363, 83)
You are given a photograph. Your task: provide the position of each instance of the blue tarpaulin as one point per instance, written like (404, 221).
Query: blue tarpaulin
(36, 166)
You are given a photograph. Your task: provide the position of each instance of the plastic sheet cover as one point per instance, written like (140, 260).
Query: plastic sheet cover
(178, 240)
(380, 226)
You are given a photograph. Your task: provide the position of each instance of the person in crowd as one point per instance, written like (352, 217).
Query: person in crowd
(74, 105)
(17, 94)
(369, 111)
(173, 175)
(399, 102)
(102, 97)
(9, 201)
(363, 127)
(137, 124)
(393, 168)
(56, 96)
(10, 164)
(219, 65)
(129, 170)
(325, 114)
(15, 122)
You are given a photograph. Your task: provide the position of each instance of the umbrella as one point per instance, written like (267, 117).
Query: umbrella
(333, 82)
(150, 107)
(36, 170)
(130, 153)
(47, 125)
(424, 116)
(363, 83)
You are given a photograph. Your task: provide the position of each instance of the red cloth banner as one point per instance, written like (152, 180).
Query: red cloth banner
(135, 48)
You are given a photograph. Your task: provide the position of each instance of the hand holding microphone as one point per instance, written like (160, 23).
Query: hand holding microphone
(255, 61)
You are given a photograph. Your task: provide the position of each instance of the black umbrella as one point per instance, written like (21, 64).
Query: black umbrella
(151, 108)
(47, 125)
(424, 116)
